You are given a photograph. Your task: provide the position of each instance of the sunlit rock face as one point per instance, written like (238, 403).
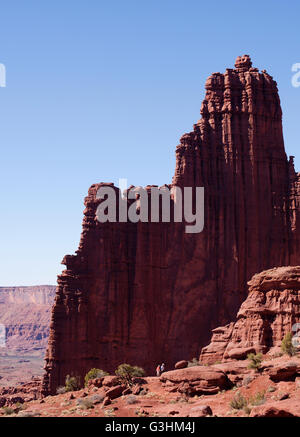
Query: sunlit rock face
(271, 310)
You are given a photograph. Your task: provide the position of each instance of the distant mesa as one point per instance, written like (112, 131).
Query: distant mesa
(25, 312)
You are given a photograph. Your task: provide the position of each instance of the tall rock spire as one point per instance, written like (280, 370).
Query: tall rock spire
(148, 292)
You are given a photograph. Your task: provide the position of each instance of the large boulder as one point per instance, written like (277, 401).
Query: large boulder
(270, 411)
(115, 392)
(236, 371)
(181, 364)
(201, 411)
(110, 381)
(286, 408)
(284, 372)
(239, 353)
(197, 380)
(95, 382)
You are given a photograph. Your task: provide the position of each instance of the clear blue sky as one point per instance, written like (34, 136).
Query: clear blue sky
(98, 90)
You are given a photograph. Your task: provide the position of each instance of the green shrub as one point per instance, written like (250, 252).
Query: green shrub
(255, 361)
(8, 411)
(238, 402)
(60, 390)
(193, 362)
(247, 410)
(93, 374)
(258, 399)
(72, 383)
(29, 414)
(84, 403)
(110, 412)
(18, 406)
(287, 345)
(126, 373)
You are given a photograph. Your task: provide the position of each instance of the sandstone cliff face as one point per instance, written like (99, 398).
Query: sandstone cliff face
(148, 292)
(25, 313)
(269, 312)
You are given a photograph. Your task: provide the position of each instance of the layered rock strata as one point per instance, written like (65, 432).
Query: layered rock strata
(271, 310)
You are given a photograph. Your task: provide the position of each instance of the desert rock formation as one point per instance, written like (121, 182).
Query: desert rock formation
(144, 293)
(269, 312)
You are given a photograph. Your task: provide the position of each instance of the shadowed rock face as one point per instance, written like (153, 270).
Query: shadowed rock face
(269, 312)
(149, 292)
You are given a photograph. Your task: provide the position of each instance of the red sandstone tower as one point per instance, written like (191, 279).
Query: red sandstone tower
(148, 292)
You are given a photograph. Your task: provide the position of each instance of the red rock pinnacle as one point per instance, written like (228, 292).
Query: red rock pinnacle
(243, 63)
(148, 292)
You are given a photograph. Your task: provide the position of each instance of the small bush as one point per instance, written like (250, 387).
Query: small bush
(255, 361)
(8, 411)
(247, 380)
(140, 412)
(126, 373)
(97, 398)
(20, 406)
(258, 399)
(132, 399)
(193, 362)
(61, 390)
(29, 414)
(247, 410)
(151, 394)
(287, 345)
(84, 404)
(72, 383)
(277, 355)
(110, 412)
(65, 403)
(93, 374)
(238, 402)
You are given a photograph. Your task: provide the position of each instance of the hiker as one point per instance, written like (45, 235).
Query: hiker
(158, 370)
(162, 368)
